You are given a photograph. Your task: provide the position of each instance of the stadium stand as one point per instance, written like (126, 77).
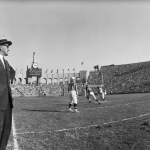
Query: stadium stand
(45, 89)
(127, 78)
(117, 79)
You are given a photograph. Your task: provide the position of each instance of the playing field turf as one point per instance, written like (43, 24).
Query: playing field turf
(44, 123)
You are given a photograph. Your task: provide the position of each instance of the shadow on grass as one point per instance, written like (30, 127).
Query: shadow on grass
(45, 110)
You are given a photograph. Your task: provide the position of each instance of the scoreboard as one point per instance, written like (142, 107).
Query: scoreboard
(37, 72)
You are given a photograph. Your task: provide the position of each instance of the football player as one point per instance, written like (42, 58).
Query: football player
(73, 93)
(101, 92)
(89, 93)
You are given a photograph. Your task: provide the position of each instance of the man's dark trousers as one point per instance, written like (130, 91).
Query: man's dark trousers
(5, 126)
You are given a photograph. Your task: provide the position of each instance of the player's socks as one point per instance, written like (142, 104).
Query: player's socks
(104, 100)
(98, 101)
(70, 107)
(75, 108)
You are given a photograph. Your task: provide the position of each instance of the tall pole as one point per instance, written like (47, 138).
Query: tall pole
(63, 78)
(57, 77)
(74, 72)
(47, 75)
(37, 80)
(52, 75)
(68, 75)
(21, 75)
(33, 56)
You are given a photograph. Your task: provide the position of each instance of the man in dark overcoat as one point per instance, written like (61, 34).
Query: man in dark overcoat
(6, 100)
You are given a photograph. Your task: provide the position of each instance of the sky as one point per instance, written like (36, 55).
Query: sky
(64, 33)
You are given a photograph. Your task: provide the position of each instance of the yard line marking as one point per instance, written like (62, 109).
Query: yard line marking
(126, 119)
(115, 121)
(16, 146)
(119, 105)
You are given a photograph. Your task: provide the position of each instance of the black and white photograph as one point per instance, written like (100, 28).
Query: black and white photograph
(74, 75)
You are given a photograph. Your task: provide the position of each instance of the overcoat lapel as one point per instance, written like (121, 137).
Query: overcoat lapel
(1, 64)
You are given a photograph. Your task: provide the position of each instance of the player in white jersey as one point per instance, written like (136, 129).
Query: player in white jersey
(89, 93)
(101, 92)
(73, 92)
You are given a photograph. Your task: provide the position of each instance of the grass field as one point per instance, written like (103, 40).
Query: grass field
(44, 123)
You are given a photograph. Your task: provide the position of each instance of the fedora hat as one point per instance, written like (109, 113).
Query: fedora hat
(4, 41)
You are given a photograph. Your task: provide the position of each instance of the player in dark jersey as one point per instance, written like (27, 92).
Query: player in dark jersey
(89, 93)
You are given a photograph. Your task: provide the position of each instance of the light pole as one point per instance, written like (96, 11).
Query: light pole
(57, 77)
(68, 75)
(21, 75)
(74, 72)
(63, 77)
(52, 75)
(47, 75)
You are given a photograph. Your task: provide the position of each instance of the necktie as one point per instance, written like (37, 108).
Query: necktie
(5, 66)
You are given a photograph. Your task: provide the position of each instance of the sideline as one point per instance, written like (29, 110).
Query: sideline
(16, 146)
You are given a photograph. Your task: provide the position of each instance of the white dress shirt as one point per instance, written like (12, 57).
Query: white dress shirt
(2, 59)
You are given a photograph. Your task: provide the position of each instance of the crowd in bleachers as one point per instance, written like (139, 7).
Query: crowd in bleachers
(43, 89)
(39, 90)
(95, 78)
(128, 78)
